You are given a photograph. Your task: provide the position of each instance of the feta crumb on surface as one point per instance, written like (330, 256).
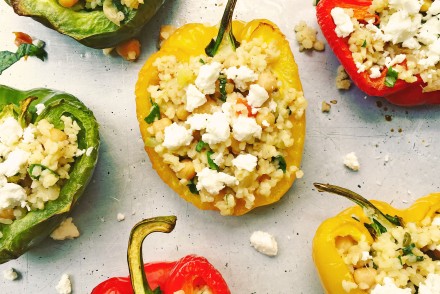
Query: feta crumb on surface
(176, 136)
(241, 76)
(245, 128)
(389, 288)
(66, 230)
(120, 217)
(64, 286)
(344, 26)
(10, 274)
(208, 75)
(431, 285)
(194, 98)
(245, 161)
(351, 161)
(214, 181)
(264, 243)
(40, 107)
(257, 95)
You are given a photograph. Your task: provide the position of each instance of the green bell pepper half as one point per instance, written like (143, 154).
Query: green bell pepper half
(91, 28)
(36, 225)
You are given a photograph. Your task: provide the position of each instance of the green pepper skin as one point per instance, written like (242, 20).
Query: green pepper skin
(91, 28)
(24, 233)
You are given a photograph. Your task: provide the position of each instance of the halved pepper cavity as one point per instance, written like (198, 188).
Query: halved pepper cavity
(190, 274)
(401, 93)
(363, 222)
(26, 232)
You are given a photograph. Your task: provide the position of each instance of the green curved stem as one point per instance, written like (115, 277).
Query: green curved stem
(225, 28)
(164, 224)
(380, 222)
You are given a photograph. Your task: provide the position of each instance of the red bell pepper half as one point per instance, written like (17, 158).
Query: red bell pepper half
(403, 93)
(188, 274)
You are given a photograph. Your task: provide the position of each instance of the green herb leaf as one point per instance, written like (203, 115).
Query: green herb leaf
(211, 163)
(202, 61)
(279, 159)
(200, 145)
(420, 258)
(406, 239)
(222, 79)
(157, 291)
(8, 58)
(154, 113)
(408, 249)
(400, 259)
(43, 167)
(192, 187)
(391, 78)
(364, 44)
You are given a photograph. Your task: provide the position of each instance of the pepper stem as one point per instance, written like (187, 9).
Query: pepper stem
(164, 224)
(380, 222)
(225, 27)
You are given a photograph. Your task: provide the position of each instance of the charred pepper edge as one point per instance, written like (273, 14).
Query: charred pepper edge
(163, 224)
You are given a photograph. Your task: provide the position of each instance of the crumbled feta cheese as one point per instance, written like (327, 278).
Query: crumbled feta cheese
(218, 158)
(245, 128)
(241, 76)
(245, 161)
(14, 162)
(265, 123)
(431, 285)
(351, 161)
(429, 31)
(436, 221)
(389, 288)
(12, 195)
(64, 285)
(227, 110)
(344, 25)
(80, 152)
(10, 131)
(365, 256)
(400, 26)
(217, 129)
(89, 151)
(361, 67)
(29, 134)
(257, 95)
(214, 181)
(176, 136)
(349, 285)
(10, 274)
(396, 60)
(66, 230)
(410, 6)
(375, 72)
(120, 217)
(434, 9)
(272, 106)
(194, 98)
(264, 243)
(207, 77)
(198, 121)
(40, 107)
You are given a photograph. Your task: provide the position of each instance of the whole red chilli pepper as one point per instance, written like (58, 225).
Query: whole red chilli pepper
(403, 93)
(187, 274)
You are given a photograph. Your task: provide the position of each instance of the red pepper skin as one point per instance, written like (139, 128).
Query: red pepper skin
(22, 38)
(403, 93)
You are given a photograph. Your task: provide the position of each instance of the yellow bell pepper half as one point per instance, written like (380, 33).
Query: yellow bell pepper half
(191, 40)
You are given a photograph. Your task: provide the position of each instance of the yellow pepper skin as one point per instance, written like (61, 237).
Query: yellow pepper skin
(329, 264)
(191, 40)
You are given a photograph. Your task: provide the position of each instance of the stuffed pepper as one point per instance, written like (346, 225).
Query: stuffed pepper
(48, 149)
(375, 248)
(224, 124)
(94, 23)
(388, 48)
(190, 274)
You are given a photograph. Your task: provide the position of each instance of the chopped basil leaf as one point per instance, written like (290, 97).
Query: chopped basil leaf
(200, 145)
(154, 113)
(395, 220)
(279, 159)
(192, 187)
(391, 78)
(202, 61)
(400, 259)
(8, 58)
(364, 44)
(211, 163)
(32, 171)
(408, 249)
(419, 258)
(222, 79)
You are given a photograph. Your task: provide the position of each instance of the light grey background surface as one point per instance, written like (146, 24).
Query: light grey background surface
(125, 182)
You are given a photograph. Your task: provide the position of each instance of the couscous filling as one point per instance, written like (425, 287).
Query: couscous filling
(222, 123)
(399, 39)
(34, 163)
(403, 260)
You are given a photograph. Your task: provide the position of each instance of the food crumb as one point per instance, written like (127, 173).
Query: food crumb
(306, 37)
(10, 274)
(120, 217)
(66, 230)
(264, 243)
(64, 285)
(325, 107)
(343, 81)
(351, 161)
(107, 51)
(299, 174)
(165, 32)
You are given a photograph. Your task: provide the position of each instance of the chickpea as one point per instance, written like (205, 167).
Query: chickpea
(344, 243)
(7, 213)
(57, 135)
(161, 124)
(188, 171)
(269, 117)
(268, 81)
(181, 113)
(365, 277)
(229, 87)
(205, 108)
